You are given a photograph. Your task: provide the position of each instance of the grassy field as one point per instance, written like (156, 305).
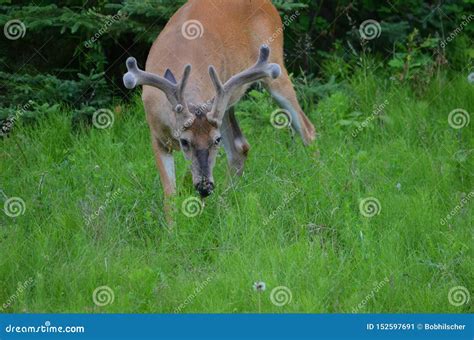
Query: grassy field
(294, 219)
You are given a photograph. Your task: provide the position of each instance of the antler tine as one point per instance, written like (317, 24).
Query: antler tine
(260, 70)
(215, 80)
(184, 81)
(173, 92)
(264, 54)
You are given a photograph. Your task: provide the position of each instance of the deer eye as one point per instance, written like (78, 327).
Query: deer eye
(217, 141)
(184, 144)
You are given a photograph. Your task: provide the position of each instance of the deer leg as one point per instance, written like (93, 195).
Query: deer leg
(165, 164)
(235, 144)
(284, 94)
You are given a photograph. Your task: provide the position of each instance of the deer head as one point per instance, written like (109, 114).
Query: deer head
(198, 126)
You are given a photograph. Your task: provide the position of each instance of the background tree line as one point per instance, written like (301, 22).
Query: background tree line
(72, 52)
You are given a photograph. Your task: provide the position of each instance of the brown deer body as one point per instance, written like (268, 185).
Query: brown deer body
(212, 41)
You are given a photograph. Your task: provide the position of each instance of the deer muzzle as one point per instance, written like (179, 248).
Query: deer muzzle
(205, 187)
(205, 184)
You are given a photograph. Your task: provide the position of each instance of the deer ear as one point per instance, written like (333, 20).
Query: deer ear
(170, 76)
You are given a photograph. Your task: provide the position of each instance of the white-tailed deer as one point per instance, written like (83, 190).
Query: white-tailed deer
(217, 46)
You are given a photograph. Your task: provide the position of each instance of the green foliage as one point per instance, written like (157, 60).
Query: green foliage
(285, 6)
(73, 53)
(413, 60)
(79, 74)
(84, 95)
(88, 89)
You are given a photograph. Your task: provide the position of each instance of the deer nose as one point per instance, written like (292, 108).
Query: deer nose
(205, 187)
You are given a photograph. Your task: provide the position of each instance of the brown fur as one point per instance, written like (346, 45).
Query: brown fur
(233, 31)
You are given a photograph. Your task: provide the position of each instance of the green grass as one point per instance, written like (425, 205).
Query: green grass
(318, 244)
